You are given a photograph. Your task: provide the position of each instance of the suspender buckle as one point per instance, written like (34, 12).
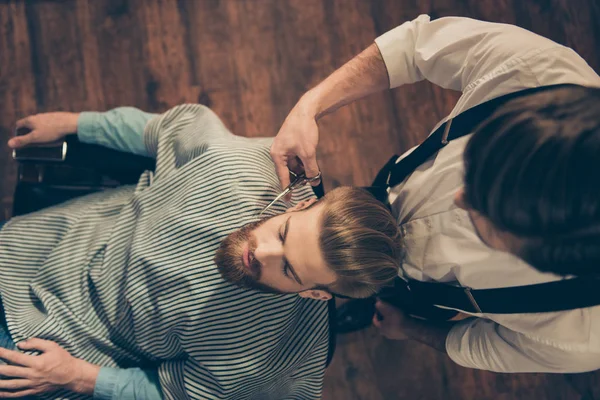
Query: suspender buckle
(446, 131)
(467, 291)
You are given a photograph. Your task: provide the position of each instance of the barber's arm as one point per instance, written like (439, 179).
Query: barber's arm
(396, 325)
(299, 135)
(55, 369)
(454, 53)
(119, 129)
(484, 344)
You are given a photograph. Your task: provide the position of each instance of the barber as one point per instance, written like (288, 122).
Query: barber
(513, 202)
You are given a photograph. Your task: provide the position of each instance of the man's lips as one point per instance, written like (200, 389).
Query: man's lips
(246, 257)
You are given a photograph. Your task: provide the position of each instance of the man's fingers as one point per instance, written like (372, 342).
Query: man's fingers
(21, 141)
(24, 123)
(17, 358)
(36, 344)
(385, 308)
(311, 168)
(19, 394)
(15, 384)
(15, 372)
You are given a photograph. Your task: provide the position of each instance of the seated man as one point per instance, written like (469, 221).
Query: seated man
(127, 277)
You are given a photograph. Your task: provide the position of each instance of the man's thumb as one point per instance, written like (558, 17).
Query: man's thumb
(21, 141)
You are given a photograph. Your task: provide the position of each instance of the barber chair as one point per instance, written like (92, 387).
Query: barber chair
(51, 174)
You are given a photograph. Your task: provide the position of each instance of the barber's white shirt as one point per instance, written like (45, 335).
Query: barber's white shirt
(482, 60)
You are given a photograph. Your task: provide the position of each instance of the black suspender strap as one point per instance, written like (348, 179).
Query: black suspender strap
(566, 294)
(463, 124)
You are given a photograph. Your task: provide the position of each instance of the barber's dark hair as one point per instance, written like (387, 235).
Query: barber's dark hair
(533, 169)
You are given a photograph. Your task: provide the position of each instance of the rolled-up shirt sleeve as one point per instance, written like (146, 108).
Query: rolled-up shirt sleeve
(120, 129)
(127, 384)
(453, 52)
(484, 344)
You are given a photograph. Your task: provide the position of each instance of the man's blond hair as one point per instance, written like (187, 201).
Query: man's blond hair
(360, 242)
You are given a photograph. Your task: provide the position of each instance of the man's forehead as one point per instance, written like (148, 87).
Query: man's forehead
(304, 234)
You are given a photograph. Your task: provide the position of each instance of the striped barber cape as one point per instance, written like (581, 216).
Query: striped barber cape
(126, 277)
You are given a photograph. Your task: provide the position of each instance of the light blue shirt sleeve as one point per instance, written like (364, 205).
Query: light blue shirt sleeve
(119, 129)
(127, 384)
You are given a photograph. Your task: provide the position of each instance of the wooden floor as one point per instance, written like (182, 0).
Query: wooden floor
(250, 60)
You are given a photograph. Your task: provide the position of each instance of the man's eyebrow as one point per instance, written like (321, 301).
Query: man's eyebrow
(286, 228)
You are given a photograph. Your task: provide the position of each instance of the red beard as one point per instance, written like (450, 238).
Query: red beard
(229, 259)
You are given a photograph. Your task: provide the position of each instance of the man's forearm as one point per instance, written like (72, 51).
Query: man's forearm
(363, 75)
(430, 333)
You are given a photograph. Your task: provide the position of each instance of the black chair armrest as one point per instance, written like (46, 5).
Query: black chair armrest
(51, 174)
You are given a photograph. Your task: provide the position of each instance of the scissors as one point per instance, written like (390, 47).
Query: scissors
(298, 181)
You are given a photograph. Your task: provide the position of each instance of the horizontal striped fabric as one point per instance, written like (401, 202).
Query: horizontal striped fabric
(126, 277)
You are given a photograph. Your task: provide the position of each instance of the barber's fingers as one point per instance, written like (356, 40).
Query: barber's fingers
(281, 166)
(24, 140)
(295, 165)
(385, 309)
(378, 323)
(311, 168)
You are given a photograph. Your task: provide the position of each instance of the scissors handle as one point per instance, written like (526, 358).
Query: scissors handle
(301, 180)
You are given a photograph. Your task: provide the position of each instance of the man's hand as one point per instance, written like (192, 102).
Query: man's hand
(295, 146)
(393, 324)
(399, 326)
(45, 128)
(54, 369)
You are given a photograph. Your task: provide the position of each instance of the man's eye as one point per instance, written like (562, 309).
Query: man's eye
(285, 270)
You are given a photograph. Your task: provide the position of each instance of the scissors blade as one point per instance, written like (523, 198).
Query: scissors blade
(279, 197)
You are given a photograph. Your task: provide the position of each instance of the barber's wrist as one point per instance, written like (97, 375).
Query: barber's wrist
(311, 103)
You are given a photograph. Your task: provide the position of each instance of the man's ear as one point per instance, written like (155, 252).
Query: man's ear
(315, 294)
(301, 206)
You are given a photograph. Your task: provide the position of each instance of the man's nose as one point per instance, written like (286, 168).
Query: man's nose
(268, 252)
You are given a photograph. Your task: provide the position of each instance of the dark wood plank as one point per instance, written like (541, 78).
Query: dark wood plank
(117, 41)
(57, 55)
(211, 55)
(17, 91)
(254, 52)
(166, 64)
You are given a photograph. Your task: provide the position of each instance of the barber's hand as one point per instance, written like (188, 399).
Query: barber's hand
(54, 369)
(45, 128)
(295, 146)
(393, 324)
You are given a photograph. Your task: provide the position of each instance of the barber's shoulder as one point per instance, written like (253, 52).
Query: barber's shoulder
(562, 65)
